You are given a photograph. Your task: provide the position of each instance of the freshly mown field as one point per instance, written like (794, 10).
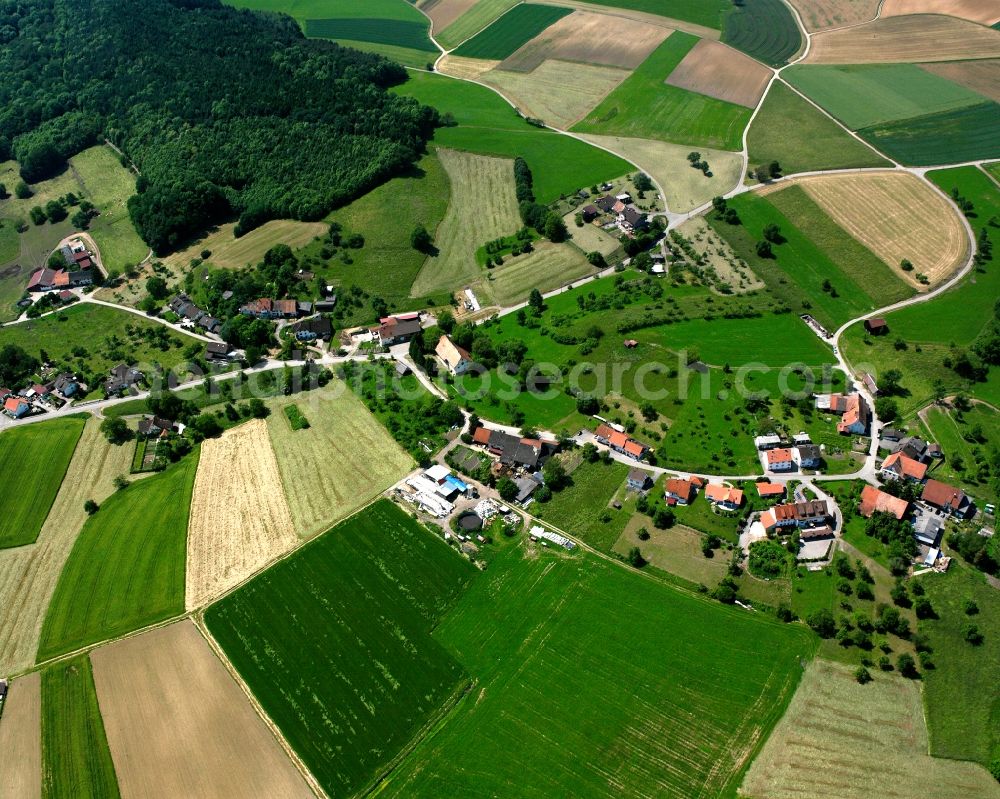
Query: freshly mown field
(646, 107)
(475, 17)
(335, 643)
(920, 37)
(842, 740)
(547, 268)
(800, 138)
(764, 29)
(572, 701)
(329, 470)
(21, 738)
(76, 762)
(229, 252)
(871, 94)
(239, 518)
(960, 693)
(583, 507)
(39, 454)
(897, 216)
(968, 134)
(517, 27)
(483, 207)
(127, 567)
(29, 574)
(178, 725)
(818, 15)
(489, 126)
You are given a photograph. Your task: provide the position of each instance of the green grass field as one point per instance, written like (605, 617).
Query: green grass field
(872, 94)
(967, 134)
(578, 508)
(709, 13)
(960, 694)
(335, 642)
(764, 29)
(574, 693)
(472, 21)
(126, 569)
(76, 761)
(967, 460)
(399, 33)
(790, 131)
(645, 107)
(517, 27)
(489, 126)
(39, 454)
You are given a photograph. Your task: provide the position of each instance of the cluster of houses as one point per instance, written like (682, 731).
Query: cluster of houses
(123, 379)
(518, 458)
(683, 490)
(266, 308)
(182, 306)
(80, 266)
(616, 210)
(614, 437)
(855, 415)
(40, 397)
(317, 328)
(780, 456)
(435, 490)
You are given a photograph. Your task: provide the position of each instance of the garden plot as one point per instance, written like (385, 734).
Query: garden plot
(559, 93)
(980, 76)
(910, 39)
(178, 725)
(721, 72)
(985, 12)
(842, 740)
(21, 739)
(239, 515)
(589, 38)
(896, 216)
(819, 15)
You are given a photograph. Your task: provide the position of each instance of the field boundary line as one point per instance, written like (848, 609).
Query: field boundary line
(311, 781)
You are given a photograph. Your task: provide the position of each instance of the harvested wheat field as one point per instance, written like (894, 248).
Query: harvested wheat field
(842, 740)
(444, 12)
(483, 207)
(895, 215)
(465, 68)
(721, 72)
(685, 188)
(985, 12)
(239, 518)
(179, 725)
(21, 739)
(28, 574)
(558, 92)
(905, 40)
(818, 15)
(229, 252)
(980, 76)
(587, 38)
(340, 462)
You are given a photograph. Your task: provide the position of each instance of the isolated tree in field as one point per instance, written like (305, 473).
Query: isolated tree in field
(37, 215)
(420, 239)
(635, 558)
(663, 518)
(157, 288)
(822, 623)
(120, 482)
(906, 265)
(889, 381)
(116, 430)
(862, 675)
(55, 211)
(886, 409)
(643, 182)
(971, 633)
(91, 507)
(595, 258)
(764, 249)
(22, 190)
(3, 191)
(773, 234)
(506, 489)
(555, 474)
(535, 301)
(907, 666)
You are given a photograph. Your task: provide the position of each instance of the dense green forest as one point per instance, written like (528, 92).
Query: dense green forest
(225, 112)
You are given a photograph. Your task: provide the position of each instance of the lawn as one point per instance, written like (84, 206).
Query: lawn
(677, 551)
(583, 509)
(90, 339)
(39, 454)
(960, 694)
(517, 27)
(575, 694)
(488, 125)
(335, 642)
(967, 134)
(329, 470)
(479, 16)
(126, 569)
(790, 131)
(871, 94)
(645, 107)
(76, 761)
(764, 29)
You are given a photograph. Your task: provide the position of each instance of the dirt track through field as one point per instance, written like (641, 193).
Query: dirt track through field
(896, 216)
(590, 39)
(28, 575)
(905, 40)
(986, 12)
(719, 71)
(178, 726)
(21, 739)
(980, 76)
(239, 515)
(818, 15)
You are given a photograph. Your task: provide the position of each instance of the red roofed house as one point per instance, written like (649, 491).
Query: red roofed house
(780, 460)
(900, 467)
(873, 500)
(798, 514)
(635, 449)
(481, 435)
(678, 492)
(770, 490)
(15, 407)
(856, 416)
(724, 496)
(620, 441)
(947, 498)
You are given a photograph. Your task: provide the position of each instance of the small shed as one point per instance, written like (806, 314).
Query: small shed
(877, 326)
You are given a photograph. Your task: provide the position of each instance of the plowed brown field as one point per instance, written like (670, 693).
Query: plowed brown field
(818, 15)
(980, 76)
(986, 12)
(21, 739)
(721, 72)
